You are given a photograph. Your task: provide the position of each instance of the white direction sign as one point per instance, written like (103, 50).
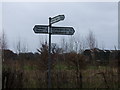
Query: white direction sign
(57, 19)
(41, 29)
(63, 30)
(54, 30)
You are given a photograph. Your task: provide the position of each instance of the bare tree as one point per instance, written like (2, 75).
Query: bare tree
(103, 46)
(56, 49)
(3, 41)
(79, 44)
(82, 45)
(24, 47)
(71, 44)
(43, 55)
(21, 47)
(91, 40)
(18, 46)
(64, 45)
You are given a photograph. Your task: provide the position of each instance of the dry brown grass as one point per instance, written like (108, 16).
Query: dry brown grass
(34, 76)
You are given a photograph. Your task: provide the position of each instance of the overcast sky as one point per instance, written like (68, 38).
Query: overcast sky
(20, 18)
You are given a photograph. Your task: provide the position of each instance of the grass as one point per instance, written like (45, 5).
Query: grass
(35, 78)
(27, 67)
(60, 67)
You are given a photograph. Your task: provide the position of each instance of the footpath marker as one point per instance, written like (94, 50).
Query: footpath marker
(41, 29)
(62, 31)
(48, 29)
(57, 19)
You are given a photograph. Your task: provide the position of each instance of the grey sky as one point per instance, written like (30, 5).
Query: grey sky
(101, 18)
(0, 17)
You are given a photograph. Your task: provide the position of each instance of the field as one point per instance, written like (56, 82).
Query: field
(64, 74)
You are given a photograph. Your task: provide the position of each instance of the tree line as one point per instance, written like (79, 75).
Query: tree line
(76, 44)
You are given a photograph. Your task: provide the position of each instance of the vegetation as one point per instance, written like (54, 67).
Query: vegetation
(70, 68)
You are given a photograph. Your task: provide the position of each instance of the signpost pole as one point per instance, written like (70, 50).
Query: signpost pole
(49, 58)
(53, 31)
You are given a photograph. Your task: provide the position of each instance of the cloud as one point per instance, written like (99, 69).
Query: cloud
(101, 18)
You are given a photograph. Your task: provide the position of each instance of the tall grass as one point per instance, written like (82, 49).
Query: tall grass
(63, 75)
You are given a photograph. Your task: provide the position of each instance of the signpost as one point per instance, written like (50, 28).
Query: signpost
(53, 31)
(62, 31)
(49, 55)
(57, 19)
(41, 29)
